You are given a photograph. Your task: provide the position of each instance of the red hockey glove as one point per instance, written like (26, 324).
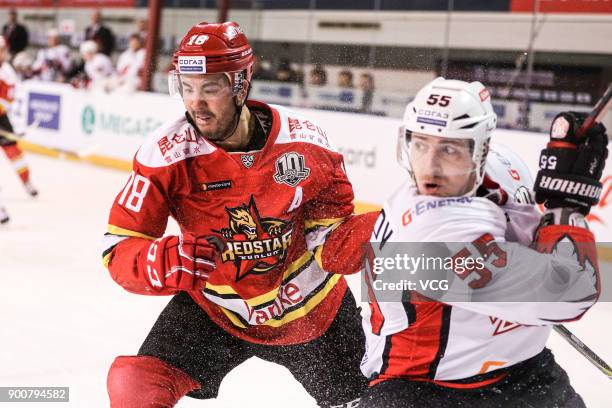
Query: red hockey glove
(181, 262)
(570, 169)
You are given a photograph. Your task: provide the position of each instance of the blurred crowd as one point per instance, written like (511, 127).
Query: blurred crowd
(98, 65)
(285, 71)
(92, 67)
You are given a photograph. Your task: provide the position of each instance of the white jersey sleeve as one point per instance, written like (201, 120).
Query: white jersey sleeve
(511, 281)
(512, 174)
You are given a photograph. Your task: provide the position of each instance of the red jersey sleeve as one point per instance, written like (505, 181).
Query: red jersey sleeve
(335, 199)
(336, 236)
(138, 215)
(141, 207)
(345, 247)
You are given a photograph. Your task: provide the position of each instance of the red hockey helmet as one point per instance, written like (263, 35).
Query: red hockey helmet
(211, 49)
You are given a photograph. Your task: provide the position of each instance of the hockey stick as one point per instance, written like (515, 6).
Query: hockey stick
(598, 112)
(79, 154)
(14, 136)
(584, 350)
(10, 135)
(33, 126)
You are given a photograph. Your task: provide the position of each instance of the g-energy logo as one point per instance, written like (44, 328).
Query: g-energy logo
(192, 64)
(423, 206)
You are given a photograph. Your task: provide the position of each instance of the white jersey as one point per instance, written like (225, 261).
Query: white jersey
(453, 339)
(129, 68)
(98, 70)
(52, 63)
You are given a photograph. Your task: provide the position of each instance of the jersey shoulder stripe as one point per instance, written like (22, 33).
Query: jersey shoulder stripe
(172, 144)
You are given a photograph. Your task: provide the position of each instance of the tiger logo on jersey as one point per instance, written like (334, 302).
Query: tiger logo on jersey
(255, 244)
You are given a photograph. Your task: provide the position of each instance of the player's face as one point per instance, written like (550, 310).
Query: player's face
(134, 44)
(52, 40)
(441, 166)
(208, 100)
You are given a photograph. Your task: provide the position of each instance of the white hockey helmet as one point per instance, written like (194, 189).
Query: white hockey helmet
(448, 108)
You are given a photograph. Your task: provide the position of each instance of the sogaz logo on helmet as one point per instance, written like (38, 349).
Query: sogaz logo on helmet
(111, 122)
(432, 117)
(194, 64)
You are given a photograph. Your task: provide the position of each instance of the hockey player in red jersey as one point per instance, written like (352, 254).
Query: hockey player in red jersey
(489, 351)
(8, 79)
(252, 188)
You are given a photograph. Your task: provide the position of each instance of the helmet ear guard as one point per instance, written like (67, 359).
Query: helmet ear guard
(241, 87)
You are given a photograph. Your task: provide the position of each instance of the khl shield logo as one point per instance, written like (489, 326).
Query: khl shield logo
(291, 169)
(247, 160)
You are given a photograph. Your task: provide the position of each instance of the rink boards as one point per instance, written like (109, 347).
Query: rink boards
(106, 129)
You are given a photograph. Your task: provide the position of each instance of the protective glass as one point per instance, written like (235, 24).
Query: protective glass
(441, 156)
(208, 87)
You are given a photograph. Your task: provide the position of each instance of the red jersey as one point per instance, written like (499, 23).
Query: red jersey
(270, 205)
(8, 80)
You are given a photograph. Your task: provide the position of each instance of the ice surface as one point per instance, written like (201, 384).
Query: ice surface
(64, 320)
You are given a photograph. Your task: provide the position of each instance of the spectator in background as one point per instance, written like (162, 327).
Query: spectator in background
(317, 76)
(102, 35)
(142, 28)
(22, 63)
(261, 70)
(130, 65)
(98, 66)
(366, 84)
(54, 62)
(16, 35)
(284, 73)
(345, 79)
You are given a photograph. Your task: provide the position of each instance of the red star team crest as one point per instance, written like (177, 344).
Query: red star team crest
(255, 244)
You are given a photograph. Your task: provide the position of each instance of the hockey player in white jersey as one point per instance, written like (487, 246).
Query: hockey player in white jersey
(53, 62)
(489, 352)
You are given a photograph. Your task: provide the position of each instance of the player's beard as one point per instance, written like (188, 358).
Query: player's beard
(224, 125)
